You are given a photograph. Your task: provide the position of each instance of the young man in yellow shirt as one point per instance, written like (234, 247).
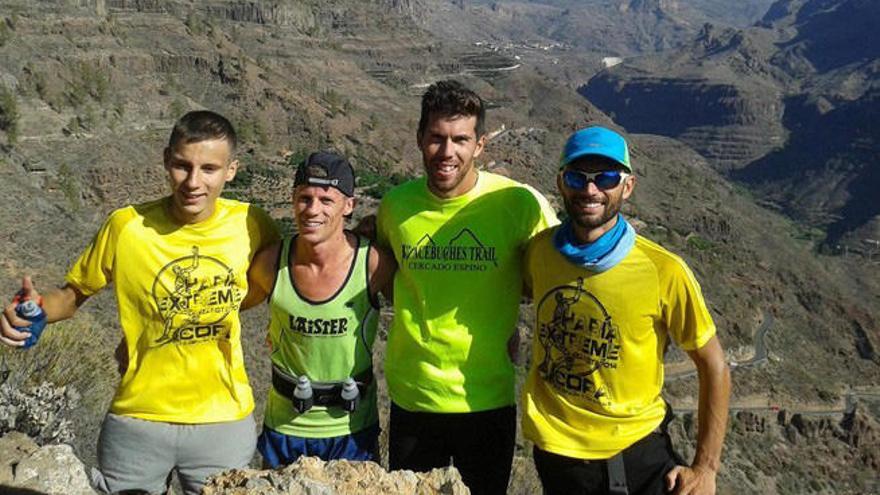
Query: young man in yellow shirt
(458, 235)
(606, 302)
(179, 269)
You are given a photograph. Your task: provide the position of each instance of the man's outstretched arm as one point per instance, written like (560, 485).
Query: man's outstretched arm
(714, 376)
(58, 304)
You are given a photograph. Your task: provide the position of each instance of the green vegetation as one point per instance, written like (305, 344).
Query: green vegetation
(244, 177)
(195, 25)
(69, 186)
(248, 169)
(377, 185)
(61, 357)
(9, 114)
(89, 81)
(6, 31)
(36, 83)
(699, 243)
(807, 233)
(177, 108)
(297, 157)
(251, 131)
(336, 101)
(372, 121)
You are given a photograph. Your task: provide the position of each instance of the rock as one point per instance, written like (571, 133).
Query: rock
(750, 422)
(14, 446)
(312, 476)
(791, 433)
(782, 417)
(52, 469)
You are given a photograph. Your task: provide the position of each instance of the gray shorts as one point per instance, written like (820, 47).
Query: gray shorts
(135, 454)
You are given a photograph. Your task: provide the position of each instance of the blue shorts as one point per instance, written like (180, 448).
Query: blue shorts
(279, 449)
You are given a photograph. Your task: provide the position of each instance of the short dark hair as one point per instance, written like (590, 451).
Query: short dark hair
(448, 99)
(202, 125)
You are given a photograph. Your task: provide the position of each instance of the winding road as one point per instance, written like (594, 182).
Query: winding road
(846, 406)
(758, 358)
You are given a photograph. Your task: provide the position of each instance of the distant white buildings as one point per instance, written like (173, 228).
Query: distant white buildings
(611, 61)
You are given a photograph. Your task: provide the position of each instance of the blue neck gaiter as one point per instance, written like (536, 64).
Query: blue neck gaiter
(601, 255)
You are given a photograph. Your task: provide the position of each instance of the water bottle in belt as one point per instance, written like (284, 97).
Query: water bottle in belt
(349, 395)
(303, 397)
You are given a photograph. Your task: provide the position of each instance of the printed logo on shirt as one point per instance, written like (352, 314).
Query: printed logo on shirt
(464, 253)
(318, 327)
(194, 295)
(578, 338)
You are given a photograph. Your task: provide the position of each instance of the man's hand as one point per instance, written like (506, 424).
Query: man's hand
(696, 480)
(9, 320)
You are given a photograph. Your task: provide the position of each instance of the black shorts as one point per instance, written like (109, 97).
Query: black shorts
(479, 444)
(646, 463)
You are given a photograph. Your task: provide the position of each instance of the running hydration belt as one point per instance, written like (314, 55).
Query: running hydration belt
(327, 394)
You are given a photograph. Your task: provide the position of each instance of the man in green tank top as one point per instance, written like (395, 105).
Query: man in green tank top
(322, 285)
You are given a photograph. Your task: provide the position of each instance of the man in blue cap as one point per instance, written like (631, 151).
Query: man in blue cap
(607, 300)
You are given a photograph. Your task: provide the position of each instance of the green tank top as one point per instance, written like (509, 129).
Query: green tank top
(327, 341)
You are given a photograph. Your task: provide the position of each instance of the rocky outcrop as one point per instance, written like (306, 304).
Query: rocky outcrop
(310, 475)
(26, 468)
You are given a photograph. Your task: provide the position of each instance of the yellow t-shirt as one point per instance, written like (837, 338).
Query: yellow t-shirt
(179, 288)
(594, 384)
(457, 291)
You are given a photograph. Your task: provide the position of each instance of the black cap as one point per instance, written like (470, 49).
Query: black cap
(328, 169)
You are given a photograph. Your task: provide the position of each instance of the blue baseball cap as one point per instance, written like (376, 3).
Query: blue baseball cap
(599, 141)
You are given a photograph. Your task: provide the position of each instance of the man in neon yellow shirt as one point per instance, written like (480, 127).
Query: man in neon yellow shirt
(458, 236)
(606, 302)
(179, 269)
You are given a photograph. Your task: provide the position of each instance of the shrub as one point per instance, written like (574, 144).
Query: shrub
(9, 114)
(40, 412)
(6, 32)
(377, 185)
(699, 243)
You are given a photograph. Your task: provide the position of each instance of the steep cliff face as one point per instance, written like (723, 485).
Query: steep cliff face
(827, 171)
(784, 104)
(721, 95)
(728, 123)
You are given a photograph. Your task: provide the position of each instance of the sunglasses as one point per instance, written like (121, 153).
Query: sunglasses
(607, 179)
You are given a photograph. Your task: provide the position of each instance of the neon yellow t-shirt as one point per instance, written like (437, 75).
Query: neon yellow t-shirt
(179, 288)
(457, 291)
(594, 384)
